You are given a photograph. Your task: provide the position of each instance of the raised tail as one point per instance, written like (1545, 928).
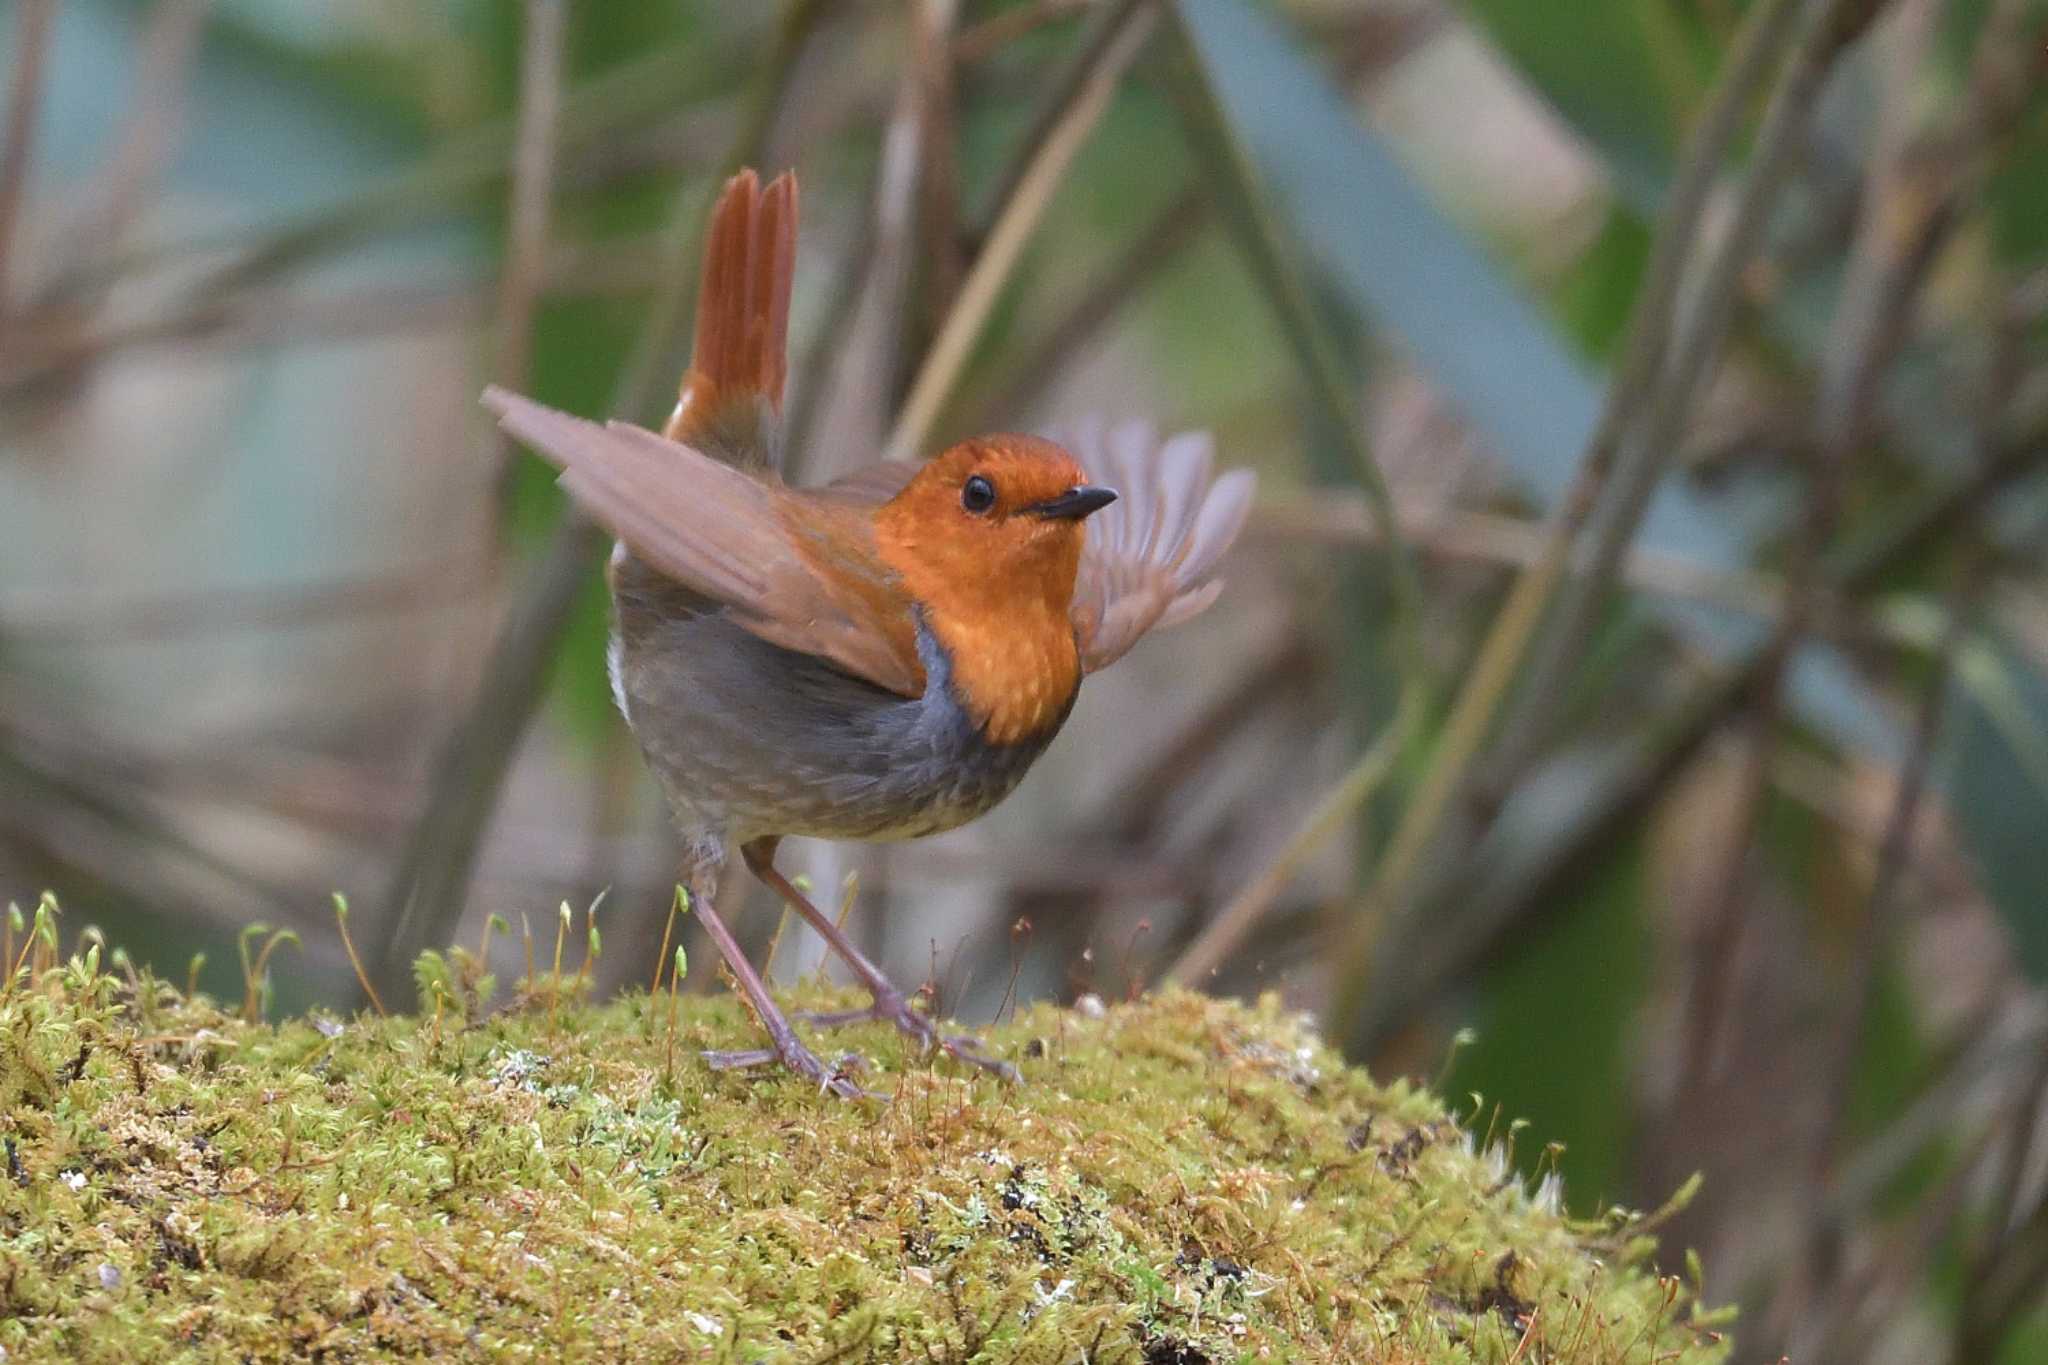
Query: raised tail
(731, 396)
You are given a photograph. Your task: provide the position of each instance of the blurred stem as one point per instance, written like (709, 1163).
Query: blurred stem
(1501, 896)
(1244, 206)
(32, 21)
(2007, 1289)
(942, 263)
(1878, 926)
(155, 115)
(66, 790)
(660, 352)
(1494, 540)
(1869, 327)
(2010, 1273)
(198, 609)
(431, 879)
(855, 384)
(1750, 59)
(999, 30)
(533, 178)
(2009, 1038)
(1100, 298)
(1045, 169)
(1237, 194)
(812, 379)
(1229, 930)
(1854, 1326)
(459, 168)
(1382, 41)
(1826, 25)
(462, 165)
(1061, 91)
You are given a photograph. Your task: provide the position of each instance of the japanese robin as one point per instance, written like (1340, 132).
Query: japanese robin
(882, 657)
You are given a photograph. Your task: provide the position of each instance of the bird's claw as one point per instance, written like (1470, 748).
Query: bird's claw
(912, 1024)
(834, 1079)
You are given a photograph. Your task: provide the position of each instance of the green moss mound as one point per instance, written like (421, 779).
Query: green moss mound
(1180, 1180)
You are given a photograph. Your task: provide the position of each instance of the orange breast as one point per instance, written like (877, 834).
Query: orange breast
(1015, 671)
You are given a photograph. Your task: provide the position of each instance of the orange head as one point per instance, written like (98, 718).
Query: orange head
(987, 538)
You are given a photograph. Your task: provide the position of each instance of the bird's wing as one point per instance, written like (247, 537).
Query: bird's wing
(796, 573)
(1150, 556)
(870, 485)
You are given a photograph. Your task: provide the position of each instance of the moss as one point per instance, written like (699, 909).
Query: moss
(1180, 1180)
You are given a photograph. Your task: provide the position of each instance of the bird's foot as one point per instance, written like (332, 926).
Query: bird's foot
(893, 1008)
(835, 1078)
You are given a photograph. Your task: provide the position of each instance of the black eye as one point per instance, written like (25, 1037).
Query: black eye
(977, 495)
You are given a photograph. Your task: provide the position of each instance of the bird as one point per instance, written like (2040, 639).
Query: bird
(881, 657)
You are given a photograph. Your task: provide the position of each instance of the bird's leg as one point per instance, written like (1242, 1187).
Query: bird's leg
(787, 1049)
(890, 1004)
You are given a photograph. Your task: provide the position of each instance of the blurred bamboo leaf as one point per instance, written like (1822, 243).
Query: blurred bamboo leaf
(1997, 786)
(1998, 793)
(1268, 252)
(1623, 74)
(1599, 289)
(1393, 257)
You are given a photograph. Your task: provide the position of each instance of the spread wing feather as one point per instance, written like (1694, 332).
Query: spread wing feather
(727, 534)
(1151, 555)
(870, 485)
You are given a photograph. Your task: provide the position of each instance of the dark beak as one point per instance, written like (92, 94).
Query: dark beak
(1075, 503)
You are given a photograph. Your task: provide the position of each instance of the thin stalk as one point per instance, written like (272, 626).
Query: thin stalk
(463, 165)
(432, 874)
(942, 262)
(1881, 909)
(1869, 328)
(155, 116)
(667, 932)
(1100, 298)
(354, 960)
(1062, 89)
(1751, 57)
(1825, 27)
(1018, 217)
(1495, 901)
(1242, 202)
(1228, 931)
(1635, 471)
(533, 178)
(32, 21)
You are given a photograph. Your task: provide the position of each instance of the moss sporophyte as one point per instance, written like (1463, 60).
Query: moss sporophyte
(1180, 1179)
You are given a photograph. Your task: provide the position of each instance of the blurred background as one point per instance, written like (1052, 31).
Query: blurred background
(1629, 707)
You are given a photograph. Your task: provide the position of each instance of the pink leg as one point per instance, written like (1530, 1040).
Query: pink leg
(890, 1003)
(787, 1049)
